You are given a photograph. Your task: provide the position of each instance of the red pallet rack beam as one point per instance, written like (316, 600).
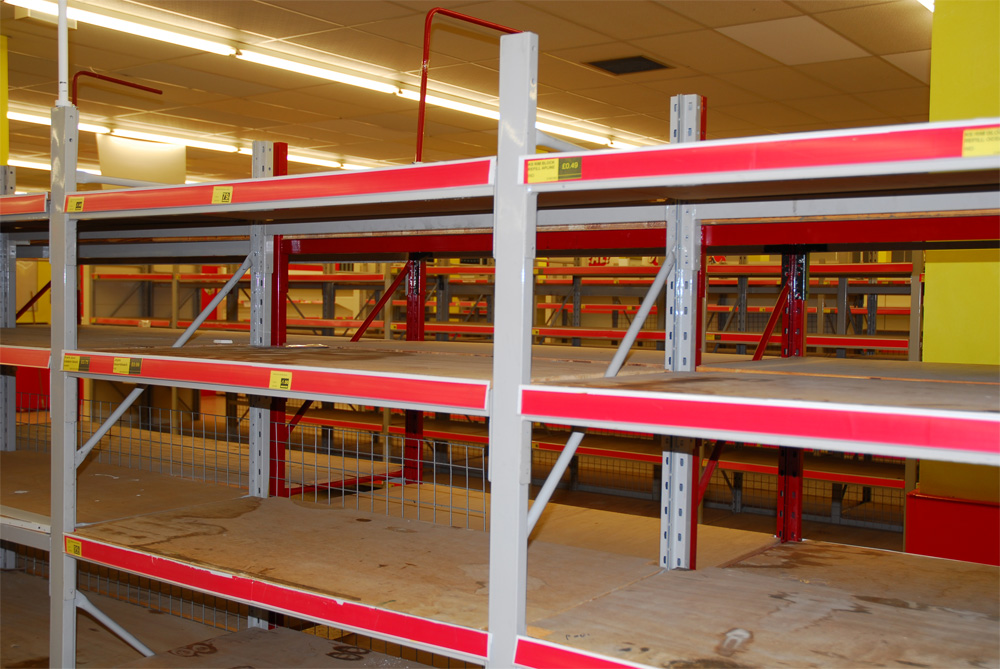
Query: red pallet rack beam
(422, 104)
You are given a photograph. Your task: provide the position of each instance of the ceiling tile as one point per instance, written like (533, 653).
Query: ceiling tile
(704, 52)
(553, 32)
(559, 73)
(859, 75)
(315, 100)
(716, 13)
(907, 102)
(917, 64)
(366, 47)
(636, 98)
(836, 108)
(449, 37)
(262, 18)
(794, 41)
(345, 12)
(578, 106)
(779, 83)
(634, 18)
(891, 27)
(767, 114)
(206, 81)
(717, 91)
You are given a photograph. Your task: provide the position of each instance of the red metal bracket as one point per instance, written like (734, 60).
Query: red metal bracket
(386, 296)
(422, 105)
(113, 80)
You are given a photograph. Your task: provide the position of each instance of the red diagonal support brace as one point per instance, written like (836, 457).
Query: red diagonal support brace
(34, 298)
(706, 476)
(386, 296)
(779, 309)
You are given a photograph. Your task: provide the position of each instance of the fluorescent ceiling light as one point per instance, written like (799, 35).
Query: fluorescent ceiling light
(308, 160)
(45, 167)
(45, 120)
(573, 134)
(313, 71)
(130, 27)
(452, 104)
(29, 164)
(196, 143)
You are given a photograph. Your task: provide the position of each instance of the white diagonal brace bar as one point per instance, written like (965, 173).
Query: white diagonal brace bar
(615, 366)
(82, 454)
(83, 603)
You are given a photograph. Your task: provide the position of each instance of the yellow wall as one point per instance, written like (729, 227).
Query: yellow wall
(4, 127)
(962, 288)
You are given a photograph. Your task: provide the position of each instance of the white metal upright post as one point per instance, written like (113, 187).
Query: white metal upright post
(680, 463)
(63, 394)
(510, 435)
(8, 318)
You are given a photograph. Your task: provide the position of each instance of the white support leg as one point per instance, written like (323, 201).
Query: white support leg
(510, 436)
(8, 317)
(62, 256)
(262, 254)
(680, 465)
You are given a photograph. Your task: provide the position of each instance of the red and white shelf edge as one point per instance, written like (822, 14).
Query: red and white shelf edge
(903, 149)
(25, 356)
(956, 436)
(24, 207)
(462, 178)
(404, 391)
(423, 633)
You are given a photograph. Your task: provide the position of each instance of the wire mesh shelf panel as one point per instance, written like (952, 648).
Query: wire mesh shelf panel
(34, 422)
(608, 475)
(396, 475)
(181, 443)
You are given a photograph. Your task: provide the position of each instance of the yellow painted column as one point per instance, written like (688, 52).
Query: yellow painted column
(962, 288)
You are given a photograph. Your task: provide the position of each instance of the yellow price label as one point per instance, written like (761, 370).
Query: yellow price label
(120, 365)
(222, 194)
(74, 204)
(981, 142)
(71, 363)
(545, 170)
(534, 332)
(74, 547)
(280, 380)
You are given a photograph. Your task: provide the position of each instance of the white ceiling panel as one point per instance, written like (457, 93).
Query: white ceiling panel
(836, 108)
(779, 83)
(718, 13)
(891, 27)
(794, 41)
(860, 75)
(717, 91)
(917, 64)
(705, 52)
(633, 18)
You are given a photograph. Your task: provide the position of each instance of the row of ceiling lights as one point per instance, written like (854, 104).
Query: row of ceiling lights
(300, 67)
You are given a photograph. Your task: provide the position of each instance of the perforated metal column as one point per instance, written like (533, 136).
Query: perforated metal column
(678, 519)
(510, 435)
(8, 317)
(62, 256)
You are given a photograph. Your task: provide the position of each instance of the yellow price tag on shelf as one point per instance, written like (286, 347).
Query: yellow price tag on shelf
(981, 142)
(222, 194)
(120, 365)
(74, 547)
(280, 380)
(74, 204)
(71, 363)
(534, 332)
(545, 170)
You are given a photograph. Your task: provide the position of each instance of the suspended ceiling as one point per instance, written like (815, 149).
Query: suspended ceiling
(765, 67)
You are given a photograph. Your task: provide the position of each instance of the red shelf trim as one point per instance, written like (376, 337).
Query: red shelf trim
(546, 655)
(754, 416)
(25, 356)
(794, 152)
(429, 391)
(411, 178)
(19, 205)
(402, 626)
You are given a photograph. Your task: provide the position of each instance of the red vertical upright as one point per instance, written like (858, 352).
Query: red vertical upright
(795, 277)
(279, 315)
(416, 297)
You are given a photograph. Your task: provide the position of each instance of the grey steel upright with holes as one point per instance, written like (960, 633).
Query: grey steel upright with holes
(8, 318)
(680, 462)
(62, 256)
(510, 435)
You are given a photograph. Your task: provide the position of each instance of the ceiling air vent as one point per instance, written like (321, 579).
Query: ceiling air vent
(629, 65)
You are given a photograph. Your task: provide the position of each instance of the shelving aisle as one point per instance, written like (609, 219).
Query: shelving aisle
(474, 595)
